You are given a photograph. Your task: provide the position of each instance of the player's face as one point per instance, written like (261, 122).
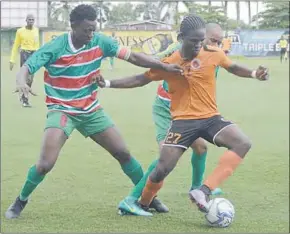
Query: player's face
(30, 21)
(84, 31)
(214, 38)
(192, 42)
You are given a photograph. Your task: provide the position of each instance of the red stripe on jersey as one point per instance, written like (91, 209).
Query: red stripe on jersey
(162, 92)
(73, 83)
(82, 103)
(82, 57)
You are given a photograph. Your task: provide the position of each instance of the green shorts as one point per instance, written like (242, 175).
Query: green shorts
(161, 118)
(86, 124)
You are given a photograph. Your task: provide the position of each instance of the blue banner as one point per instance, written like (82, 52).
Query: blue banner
(257, 43)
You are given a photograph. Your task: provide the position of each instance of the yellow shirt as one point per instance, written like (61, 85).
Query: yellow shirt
(25, 39)
(283, 43)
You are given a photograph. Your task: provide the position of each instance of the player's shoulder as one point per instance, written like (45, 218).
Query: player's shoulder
(173, 58)
(59, 42)
(212, 49)
(21, 29)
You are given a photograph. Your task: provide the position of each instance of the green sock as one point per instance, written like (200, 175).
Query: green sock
(138, 189)
(133, 170)
(33, 179)
(198, 168)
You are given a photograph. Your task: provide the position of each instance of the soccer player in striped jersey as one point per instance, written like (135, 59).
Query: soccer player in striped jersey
(71, 61)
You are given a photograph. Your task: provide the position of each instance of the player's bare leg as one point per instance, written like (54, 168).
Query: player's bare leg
(238, 145)
(198, 161)
(169, 157)
(53, 141)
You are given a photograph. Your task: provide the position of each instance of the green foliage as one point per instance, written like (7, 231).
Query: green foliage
(122, 13)
(148, 10)
(59, 14)
(276, 15)
(209, 13)
(234, 24)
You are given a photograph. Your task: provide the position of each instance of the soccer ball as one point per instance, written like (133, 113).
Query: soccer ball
(221, 213)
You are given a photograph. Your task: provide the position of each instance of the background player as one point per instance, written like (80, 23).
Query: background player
(162, 120)
(194, 111)
(71, 60)
(283, 45)
(27, 38)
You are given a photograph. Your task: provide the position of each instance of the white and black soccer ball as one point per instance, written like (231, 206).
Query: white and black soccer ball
(221, 213)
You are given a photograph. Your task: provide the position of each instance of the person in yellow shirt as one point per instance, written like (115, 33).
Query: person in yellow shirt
(27, 38)
(287, 52)
(283, 45)
(226, 44)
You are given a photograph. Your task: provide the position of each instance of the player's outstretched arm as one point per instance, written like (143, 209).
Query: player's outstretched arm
(261, 73)
(124, 83)
(144, 60)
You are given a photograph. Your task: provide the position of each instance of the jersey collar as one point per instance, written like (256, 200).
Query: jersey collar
(72, 45)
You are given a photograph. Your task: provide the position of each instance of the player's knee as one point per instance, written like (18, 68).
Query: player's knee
(159, 173)
(163, 168)
(242, 146)
(200, 149)
(43, 167)
(122, 156)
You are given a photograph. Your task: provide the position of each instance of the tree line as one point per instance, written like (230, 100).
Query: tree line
(275, 15)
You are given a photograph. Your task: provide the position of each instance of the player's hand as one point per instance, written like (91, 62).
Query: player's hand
(262, 73)
(173, 68)
(23, 89)
(99, 79)
(11, 65)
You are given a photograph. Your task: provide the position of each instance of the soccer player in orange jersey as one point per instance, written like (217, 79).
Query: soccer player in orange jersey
(194, 111)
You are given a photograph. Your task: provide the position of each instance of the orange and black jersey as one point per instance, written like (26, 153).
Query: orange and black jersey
(193, 94)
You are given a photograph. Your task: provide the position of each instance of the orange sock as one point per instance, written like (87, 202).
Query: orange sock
(229, 161)
(150, 191)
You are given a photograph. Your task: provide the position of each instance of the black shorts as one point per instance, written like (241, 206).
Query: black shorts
(283, 51)
(24, 55)
(183, 133)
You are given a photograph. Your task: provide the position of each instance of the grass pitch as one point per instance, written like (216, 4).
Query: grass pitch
(83, 190)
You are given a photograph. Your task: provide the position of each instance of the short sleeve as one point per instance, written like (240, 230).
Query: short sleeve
(224, 60)
(111, 48)
(46, 55)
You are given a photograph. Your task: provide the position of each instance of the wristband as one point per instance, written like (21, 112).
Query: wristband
(254, 74)
(107, 84)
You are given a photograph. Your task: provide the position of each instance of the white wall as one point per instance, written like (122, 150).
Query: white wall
(13, 14)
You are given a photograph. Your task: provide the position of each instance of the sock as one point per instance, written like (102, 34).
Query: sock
(150, 191)
(33, 179)
(229, 161)
(198, 168)
(137, 190)
(133, 170)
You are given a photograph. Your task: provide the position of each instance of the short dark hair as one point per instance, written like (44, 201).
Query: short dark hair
(191, 22)
(83, 12)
